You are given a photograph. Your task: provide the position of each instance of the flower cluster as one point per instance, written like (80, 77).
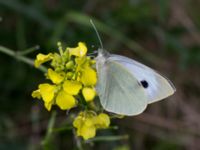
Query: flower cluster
(72, 78)
(87, 122)
(71, 72)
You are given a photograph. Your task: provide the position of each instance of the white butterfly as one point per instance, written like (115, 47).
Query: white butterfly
(126, 86)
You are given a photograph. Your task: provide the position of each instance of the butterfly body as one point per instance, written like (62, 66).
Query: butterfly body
(126, 86)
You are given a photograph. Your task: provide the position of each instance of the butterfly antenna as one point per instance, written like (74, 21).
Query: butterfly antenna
(95, 29)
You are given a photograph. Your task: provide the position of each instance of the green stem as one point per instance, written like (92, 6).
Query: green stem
(78, 141)
(111, 128)
(48, 136)
(108, 138)
(19, 57)
(62, 129)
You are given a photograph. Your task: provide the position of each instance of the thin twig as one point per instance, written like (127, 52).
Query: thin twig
(20, 57)
(29, 50)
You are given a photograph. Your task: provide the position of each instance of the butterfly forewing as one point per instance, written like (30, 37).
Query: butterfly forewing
(159, 87)
(119, 91)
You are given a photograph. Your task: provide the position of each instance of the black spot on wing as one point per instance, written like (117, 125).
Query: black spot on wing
(144, 83)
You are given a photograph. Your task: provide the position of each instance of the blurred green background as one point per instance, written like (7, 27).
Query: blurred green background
(163, 34)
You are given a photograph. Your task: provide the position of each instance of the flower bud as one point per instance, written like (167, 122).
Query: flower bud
(69, 65)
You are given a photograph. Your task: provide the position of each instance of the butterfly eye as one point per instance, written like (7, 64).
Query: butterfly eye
(144, 83)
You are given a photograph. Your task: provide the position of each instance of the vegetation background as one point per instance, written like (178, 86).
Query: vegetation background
(164, 34)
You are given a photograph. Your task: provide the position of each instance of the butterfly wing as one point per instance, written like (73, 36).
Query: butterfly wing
(159, 87)
(119, 90)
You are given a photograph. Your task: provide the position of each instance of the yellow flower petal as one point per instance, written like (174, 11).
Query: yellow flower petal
(47, 92)
(48, 106)
(78, 121)
(72, 87)
(89, 77)
(79, 51)
(41, 58)
(65, 101)
(36, 94)
(55, 77)
(88, 93)
(83, 48)
(102, 121)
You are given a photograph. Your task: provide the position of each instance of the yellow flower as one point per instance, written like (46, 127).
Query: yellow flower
(65, 101)
(41, 58)
(86, 74)
(47, 92)
(85, 126)
(79, 51)
(72, 87)
(36, 94)
(102, 121)
(88, 93)
(87, 122)
(87, 130)
(81, 62)
(55, 77)
(89, 76)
